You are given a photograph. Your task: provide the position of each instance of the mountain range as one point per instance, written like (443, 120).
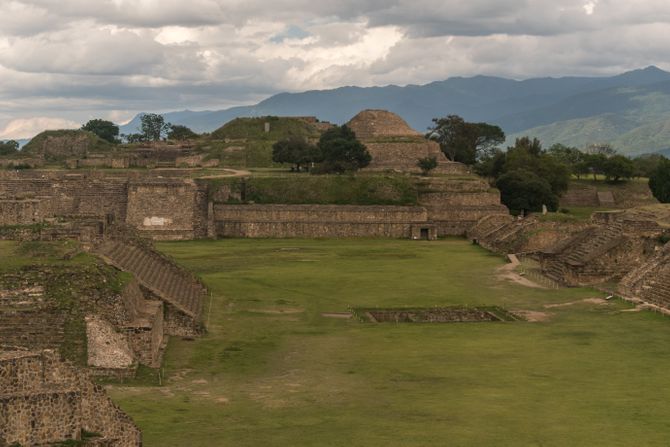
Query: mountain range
(631, 111)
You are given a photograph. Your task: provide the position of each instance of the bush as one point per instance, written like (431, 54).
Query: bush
(523, 191)
(427, 164)
(659, 182)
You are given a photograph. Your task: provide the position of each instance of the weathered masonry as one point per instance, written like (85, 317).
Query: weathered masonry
(44, 401)
(183, 209)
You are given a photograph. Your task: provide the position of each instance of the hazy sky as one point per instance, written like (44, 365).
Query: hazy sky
(65, 61)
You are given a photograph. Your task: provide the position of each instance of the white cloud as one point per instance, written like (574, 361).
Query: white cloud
(79, 59)
(28, 127)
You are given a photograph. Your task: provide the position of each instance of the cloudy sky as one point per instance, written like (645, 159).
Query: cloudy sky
(63, 62)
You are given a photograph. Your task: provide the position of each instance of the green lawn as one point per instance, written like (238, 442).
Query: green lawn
(274, 372)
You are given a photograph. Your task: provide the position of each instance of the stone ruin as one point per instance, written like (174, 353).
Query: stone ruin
(395, 146)
(45, 400)
(624, 251)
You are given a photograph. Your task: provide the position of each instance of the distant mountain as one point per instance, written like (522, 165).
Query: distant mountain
(630, 110)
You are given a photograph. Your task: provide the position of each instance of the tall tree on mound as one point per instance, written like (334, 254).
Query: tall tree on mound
(104, 129)
(154, 126)
(465, 142)
(341, 151)
(295, 150)
(659, 182)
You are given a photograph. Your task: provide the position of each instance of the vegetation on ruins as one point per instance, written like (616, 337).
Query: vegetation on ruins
(526, 175)
(58, 145)
(179, 132)
(321, 190)
(297, 151)
(659, 181)
(106, 130)
(463, 141)
(341, 151)
(8, 148)
(426, 164)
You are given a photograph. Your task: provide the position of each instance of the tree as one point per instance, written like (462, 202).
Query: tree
(522, 191)
(659, 181)
(528, 155)
(465, 142)
(618, 167)
(9, 147)
(295, 150)
(569, 156)
(106, 130)
(491, 165)
(427, 164)
(180, 133)
(645, 165)
(154, 126)
(341, 151)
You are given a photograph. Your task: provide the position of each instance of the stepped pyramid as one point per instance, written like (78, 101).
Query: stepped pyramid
(395, 146)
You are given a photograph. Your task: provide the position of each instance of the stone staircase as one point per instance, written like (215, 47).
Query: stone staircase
(577, 253)
(157, 273)
(650, 281)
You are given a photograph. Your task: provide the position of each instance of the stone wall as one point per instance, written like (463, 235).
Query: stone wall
(19, 212)
(45, 400)
(286, 221)
(166, 210)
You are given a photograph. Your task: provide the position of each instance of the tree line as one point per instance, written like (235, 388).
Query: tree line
(529, 176)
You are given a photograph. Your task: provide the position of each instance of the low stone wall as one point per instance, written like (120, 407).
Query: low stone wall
(286, 221)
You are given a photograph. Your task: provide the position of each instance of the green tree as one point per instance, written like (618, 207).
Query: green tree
(569, 156)
(465, 142)
(659, 181)
(522, 191)
(646, 164)
(491, 165)
(618, 167)
(426, 164)
(528, 155)
(154, 126)
(106, 130)
(297, 151)
(341, 151)
(9, 147)
(180, 133)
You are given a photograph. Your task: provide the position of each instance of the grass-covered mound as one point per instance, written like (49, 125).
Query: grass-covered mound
(254, 128)
(244, 143)
(57, 145)
(274, 370)
(322, 190)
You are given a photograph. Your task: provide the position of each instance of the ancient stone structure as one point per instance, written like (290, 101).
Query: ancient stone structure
(650, 281)
(182, 294)
(332, 221)
(174, 208)
(616, 243)
(44, 400)
(395, 146)
(118, 331)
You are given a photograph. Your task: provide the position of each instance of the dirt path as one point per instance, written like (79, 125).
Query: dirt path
(233, 173)
(507, 273)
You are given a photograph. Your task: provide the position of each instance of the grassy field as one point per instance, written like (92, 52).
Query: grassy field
(274, 372)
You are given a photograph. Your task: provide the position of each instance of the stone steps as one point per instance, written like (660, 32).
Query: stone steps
(158, 274)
